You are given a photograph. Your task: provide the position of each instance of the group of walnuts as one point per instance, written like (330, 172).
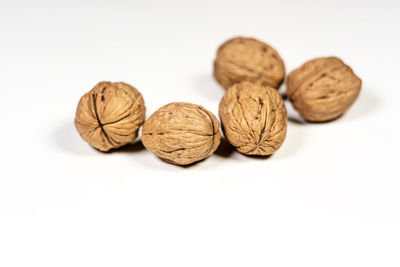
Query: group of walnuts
(252, 112)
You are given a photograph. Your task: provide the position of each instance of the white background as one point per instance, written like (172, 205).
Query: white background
(329, 197)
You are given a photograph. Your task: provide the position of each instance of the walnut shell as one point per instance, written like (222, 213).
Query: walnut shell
(109, 116)
(254, 118)
(181, 133)
(246, 59)
(323, 89)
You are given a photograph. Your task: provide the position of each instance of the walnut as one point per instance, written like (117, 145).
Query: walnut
(323, 89)
(109, 116)
(181, 133)
(246, 59)
(254, 118)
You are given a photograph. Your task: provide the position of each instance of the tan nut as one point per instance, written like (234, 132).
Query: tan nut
(181, 133)
(254, 118)
(246, 59)
(109, 116)
(323, 89)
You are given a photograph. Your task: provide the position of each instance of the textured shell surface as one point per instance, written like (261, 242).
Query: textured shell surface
(323, 89)
(181, 133)
(110, 115)
(247, 59)
(254, 118)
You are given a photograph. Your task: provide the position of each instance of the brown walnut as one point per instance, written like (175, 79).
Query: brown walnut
(109, 116)
(323, 89)
(246, 59)
(181, 133)
(254, 118)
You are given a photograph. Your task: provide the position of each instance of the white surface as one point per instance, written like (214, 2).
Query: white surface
(329, 197)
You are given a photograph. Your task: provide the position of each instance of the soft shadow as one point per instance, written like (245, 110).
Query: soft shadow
(174, 165)
(206, 84)
(323, 122)
(225, 149)
(293, 115)
(258, 157)
(293, 142)
(191, 165)
(136, 146)
(67, 138)
(296, 120)
(367, 103)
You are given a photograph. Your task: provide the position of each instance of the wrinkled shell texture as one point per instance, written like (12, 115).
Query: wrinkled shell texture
(254, 118)
(181, 133)
(323, 89)
(109, 116)
(246, 59)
